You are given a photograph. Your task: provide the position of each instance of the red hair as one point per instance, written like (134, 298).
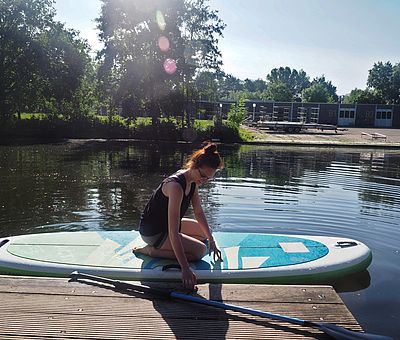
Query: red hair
(206, 156)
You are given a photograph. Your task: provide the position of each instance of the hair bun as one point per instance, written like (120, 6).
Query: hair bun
(210, 148)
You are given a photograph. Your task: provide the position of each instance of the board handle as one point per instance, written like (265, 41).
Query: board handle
(346, 244)
(3, 242)
(171, 266)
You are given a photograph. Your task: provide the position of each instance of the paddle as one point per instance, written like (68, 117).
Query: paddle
(334, 331)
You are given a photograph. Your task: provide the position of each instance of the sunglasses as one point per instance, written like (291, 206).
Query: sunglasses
(203, 176)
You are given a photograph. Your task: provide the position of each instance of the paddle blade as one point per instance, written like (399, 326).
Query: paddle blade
(338, 332)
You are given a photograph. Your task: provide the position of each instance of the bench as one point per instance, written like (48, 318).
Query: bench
(377, 135)
(374, 135)
(365, 134)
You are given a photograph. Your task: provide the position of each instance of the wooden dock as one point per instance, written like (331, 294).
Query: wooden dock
(49, 308)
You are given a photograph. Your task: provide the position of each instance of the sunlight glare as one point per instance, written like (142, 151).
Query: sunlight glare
(160, 20)
(163, 43)
(170, 66)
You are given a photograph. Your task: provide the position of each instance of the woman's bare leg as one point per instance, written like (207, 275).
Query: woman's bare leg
(193, 248)
(192, 228)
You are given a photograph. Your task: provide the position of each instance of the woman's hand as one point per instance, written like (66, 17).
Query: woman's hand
(212, 247)
(189, 278)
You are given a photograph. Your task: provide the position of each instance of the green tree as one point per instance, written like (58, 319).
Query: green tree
(207, 86)
(257, 85)
(279, 91)
(152, 48)
(385, 78)
(295, 81)
(67, 69)
(317, 93)
(41, 61)
(331, 90)
(201, 28)
(227, 84)
(367, 96)
(20, 52)
(237, 112)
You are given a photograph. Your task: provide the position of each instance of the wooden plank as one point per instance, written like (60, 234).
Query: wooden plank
(111, 327)
(58, 309)
(231, 292)
(142, 307)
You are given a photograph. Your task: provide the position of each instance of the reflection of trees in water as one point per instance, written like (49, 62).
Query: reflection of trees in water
(109, 183)
(35, 184)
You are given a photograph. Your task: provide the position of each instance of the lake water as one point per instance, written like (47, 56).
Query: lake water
(99, 185)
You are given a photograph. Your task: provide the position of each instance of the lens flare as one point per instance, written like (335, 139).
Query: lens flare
(170, 66)
(160, 20)
(163, 44)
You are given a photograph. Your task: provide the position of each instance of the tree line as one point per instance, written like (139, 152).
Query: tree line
(159, 58)
(286, 84)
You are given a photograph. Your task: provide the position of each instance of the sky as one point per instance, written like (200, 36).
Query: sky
(341, 39)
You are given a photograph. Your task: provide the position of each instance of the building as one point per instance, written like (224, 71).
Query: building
(350, 115)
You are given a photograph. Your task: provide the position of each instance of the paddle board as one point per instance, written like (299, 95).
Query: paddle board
(247, 257)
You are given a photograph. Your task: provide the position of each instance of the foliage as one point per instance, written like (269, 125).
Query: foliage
(100, 127)
(257, 85)
(330, 89)
(42, 62)
(385, 79)
(367, 96)
(294, 81)
(317, 93)
(279, 91)
(237, 113)
(152, 50)
(201, 28)
(245, 135)
(225, 132)
(207, 86)
(227, 84)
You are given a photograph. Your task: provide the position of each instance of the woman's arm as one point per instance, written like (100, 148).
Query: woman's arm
(200, 216)
(202, 220)
(175, 195)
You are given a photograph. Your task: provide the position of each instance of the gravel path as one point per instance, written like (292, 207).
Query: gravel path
(349, 136)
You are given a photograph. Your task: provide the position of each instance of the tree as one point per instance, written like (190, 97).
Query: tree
(152, 48)
(67, 69)
(257, 85)
(41, 61)
(295, 81)
(20, 53)
(229, 84)
(207, 86)
(279, 91)
(385, 78)
(367, 96)
(201, 28)
(237, 112)
(317, 93)
(330, 89)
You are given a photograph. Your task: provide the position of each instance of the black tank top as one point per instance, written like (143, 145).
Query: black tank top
(154, 219)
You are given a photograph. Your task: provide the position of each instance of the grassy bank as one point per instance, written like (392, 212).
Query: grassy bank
(42, 126)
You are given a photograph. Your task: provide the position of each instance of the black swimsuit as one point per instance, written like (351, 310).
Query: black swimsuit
(154, 220)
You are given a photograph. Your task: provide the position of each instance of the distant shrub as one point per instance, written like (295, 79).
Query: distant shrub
(92, 126)
(226, 132)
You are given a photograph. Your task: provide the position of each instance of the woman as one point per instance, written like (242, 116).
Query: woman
(162, 226)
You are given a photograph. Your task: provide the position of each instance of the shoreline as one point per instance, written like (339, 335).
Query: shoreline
(349, 138)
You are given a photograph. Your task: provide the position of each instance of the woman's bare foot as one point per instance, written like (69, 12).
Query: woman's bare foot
(146, 250)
